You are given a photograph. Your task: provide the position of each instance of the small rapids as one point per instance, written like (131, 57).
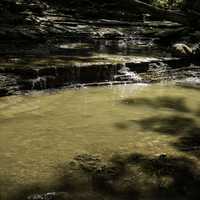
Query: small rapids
(126, 75)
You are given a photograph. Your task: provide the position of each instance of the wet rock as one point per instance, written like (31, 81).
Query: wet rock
(88, 162)
(181, 50)
(97, 73)
(42, 83)
(196, 51)
(49, 196)
(113, 35)
(107, 33)
(166, 37)
(8, 85)
(39, 77)
(126, 75)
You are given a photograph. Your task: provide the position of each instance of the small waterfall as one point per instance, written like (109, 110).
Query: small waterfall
(125, 91)
(39, 83)
(124, 74)
(78, 76)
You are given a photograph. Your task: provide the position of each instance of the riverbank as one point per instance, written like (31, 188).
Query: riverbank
(44, 46)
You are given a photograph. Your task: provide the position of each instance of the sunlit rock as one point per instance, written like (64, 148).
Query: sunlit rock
(181, 50)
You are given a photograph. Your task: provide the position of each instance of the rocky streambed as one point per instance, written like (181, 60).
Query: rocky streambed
(30, 73)
(44, 46)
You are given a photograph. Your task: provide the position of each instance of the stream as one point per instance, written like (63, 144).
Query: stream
(90, 90)
(41, 131)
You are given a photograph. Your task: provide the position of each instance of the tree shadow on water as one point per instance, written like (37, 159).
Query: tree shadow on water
(189, 86)
(86, 177)
(176, 177)
(174, 103)
(138, 176)
(185, 128)
(123, 177)
(190, 143)
(198, 112)
(173, 125)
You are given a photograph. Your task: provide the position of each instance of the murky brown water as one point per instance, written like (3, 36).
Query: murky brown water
(41, 131)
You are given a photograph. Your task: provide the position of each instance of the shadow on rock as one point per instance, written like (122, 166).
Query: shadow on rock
(171, 125)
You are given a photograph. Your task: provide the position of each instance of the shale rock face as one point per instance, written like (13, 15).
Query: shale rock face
(56, 43)
(19, 21)
(8, 85)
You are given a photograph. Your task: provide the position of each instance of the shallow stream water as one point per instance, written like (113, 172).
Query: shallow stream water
(43, 130)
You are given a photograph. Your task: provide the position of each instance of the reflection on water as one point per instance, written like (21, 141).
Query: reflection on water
(41, 131)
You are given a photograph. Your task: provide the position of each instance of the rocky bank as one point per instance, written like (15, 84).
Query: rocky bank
(45, 45)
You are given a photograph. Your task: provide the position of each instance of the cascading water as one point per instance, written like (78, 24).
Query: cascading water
(39, 83)
(124, 74)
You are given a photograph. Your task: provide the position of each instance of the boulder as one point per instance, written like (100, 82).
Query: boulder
(181, 50)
